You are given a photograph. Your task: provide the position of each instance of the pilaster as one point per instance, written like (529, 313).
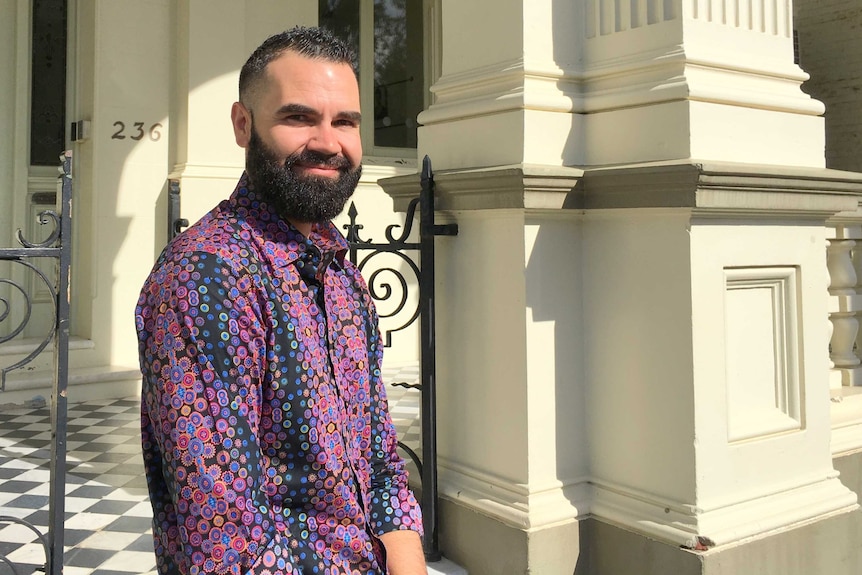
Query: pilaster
(612, 81)
(121, 81)
(210, 42)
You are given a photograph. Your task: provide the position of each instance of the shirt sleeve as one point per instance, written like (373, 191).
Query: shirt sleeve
(202, 348)
(390, 502)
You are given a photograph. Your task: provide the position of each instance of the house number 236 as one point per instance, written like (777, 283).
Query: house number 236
(137, 131)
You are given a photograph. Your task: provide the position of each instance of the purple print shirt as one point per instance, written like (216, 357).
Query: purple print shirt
(267, 440)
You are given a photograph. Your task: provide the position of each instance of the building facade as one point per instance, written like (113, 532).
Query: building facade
(647, 325)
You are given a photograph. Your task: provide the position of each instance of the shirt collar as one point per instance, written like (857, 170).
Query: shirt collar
(282, 243)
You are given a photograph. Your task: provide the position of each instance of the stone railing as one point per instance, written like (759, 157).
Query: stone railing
(844, 261)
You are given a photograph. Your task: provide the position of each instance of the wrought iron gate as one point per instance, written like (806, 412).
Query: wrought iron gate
(57, 246)
(428, 230)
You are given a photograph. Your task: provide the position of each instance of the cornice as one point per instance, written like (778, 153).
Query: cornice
(723, 188)
(501, 187)
(705, 188)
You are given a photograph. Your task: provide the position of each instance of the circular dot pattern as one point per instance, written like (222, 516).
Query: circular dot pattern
(267, 441)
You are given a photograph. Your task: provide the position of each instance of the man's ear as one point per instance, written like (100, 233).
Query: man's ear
(240, 117)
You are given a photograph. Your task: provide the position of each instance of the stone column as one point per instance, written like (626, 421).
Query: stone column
(632, 354)
(514, 458)
(211, 41)
(121, 79)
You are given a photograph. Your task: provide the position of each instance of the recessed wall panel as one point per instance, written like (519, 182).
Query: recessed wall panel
(762, 351)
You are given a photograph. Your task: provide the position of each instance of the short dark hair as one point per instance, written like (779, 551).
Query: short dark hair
(315, 43)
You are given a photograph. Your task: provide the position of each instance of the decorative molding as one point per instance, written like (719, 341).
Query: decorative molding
(605, 17)
(683, 524)
(205, 172)
(764, 395)
(723, 188)
(764, 16)
(708, 189)
(503, 187)
(599, 84)
(524, 507)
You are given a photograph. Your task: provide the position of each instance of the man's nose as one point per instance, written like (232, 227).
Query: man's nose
(324, 139)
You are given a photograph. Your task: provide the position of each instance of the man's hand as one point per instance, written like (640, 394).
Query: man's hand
(404, 553)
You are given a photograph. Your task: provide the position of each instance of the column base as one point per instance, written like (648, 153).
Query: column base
(483, 544)
(592, 547)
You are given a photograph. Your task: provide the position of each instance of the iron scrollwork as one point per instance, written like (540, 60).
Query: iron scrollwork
(381, 290)
(57, 246)
(427, 464)
(19, 256)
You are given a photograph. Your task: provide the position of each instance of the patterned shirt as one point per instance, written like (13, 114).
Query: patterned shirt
(267, 440)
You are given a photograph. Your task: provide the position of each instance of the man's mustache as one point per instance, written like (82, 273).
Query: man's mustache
(310, 157)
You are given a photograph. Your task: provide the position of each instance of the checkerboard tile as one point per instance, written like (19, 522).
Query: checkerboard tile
(107, 510)
(104, 483)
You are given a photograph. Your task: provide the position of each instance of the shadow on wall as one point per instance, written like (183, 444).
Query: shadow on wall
(136, 87)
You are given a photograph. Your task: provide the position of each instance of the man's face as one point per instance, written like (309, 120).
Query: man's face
(301, 135)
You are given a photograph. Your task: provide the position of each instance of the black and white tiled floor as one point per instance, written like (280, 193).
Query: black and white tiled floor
(107, 520)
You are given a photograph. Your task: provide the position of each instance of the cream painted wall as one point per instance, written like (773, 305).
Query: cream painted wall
(768, 458)
(482, 428)
(511, 425)
(557, 457)
(178, 79)
(638, 346)
(499, 39)
(156, 80)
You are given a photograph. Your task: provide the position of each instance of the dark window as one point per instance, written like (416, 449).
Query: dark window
(342, 18)
(397, 40)
(48, 82)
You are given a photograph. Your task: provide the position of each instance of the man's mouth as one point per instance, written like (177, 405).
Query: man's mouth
(326, 170)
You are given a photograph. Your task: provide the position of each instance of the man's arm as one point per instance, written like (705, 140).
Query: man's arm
(205, 415)
(404, 553)
(394, 513)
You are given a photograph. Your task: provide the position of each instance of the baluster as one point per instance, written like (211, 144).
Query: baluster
(842, 274)
(842, 285)
(856, 258)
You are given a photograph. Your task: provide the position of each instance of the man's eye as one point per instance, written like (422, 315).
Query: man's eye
(299, 118)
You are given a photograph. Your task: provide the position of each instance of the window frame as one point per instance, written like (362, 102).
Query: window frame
(431, 28)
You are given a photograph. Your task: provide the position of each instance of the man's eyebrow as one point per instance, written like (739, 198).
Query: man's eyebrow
(293, 108)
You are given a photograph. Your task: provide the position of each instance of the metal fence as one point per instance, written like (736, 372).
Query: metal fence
(57, 246)
(400, 245)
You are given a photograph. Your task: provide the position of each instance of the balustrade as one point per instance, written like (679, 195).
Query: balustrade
(844, 262)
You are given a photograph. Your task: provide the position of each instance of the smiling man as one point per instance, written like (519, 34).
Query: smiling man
(267, 441)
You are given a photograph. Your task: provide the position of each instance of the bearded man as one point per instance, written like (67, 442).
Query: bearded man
(267, 441)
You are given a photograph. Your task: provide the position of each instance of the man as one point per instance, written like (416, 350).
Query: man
(267, 441)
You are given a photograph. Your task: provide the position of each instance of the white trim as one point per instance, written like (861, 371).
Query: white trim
(527, 507)
(679, 523)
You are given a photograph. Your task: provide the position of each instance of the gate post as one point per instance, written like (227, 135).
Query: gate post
(427, 231)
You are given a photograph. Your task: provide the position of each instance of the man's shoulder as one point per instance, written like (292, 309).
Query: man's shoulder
(215, 239)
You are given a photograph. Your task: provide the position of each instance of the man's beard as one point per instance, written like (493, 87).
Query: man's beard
(308, 199)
